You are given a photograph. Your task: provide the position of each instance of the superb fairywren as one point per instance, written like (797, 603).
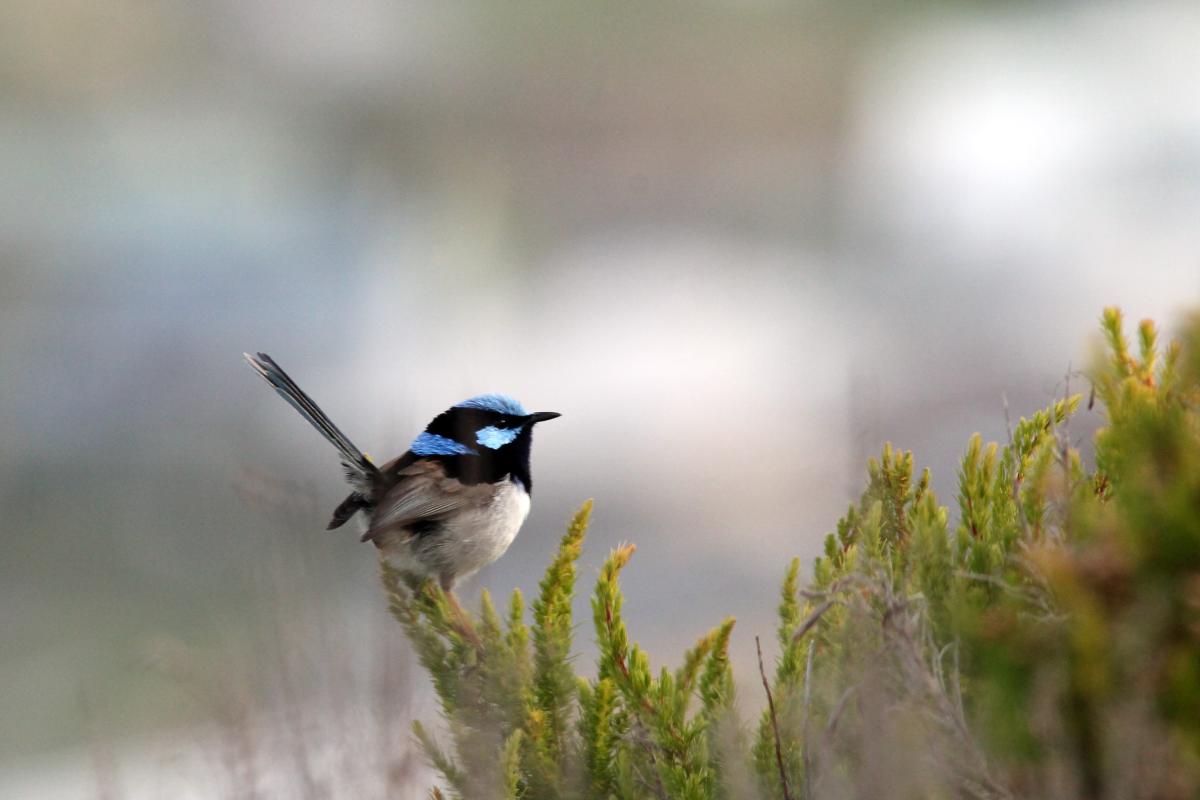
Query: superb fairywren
(454, 501)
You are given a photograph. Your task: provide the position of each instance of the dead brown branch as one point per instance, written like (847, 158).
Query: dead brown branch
(787, 795)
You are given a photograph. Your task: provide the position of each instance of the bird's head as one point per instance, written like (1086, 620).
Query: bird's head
(489, 424)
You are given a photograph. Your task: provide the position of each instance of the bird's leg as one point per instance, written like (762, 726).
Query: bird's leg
(463, 620)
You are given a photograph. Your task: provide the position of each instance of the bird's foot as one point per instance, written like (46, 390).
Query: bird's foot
(462, 621)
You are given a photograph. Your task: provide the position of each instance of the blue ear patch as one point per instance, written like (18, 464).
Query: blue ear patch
(430, 444)
(500, 403)
(494, 437)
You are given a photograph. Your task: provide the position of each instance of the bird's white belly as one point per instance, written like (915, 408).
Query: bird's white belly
(478, 538)
(467, 541)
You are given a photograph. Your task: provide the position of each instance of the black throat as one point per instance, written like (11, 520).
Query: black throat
(489, 465)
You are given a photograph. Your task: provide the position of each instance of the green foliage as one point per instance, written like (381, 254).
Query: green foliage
(1045, 643)
(1124, 582)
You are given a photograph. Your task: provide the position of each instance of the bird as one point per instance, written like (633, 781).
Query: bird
(449, 505)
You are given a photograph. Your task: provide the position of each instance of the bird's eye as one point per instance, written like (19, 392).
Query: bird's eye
(502, 423)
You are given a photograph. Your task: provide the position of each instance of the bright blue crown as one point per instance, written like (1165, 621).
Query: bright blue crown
(500, 403)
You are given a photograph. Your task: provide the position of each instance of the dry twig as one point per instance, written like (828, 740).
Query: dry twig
(787, 795)
(813, 619)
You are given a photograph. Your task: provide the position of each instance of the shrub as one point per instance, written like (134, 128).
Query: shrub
(1046, 643)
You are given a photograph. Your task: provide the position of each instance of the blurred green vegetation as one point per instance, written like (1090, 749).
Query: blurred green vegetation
(1045, 644)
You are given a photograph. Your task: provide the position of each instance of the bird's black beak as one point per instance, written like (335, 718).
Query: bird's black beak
(542, 416)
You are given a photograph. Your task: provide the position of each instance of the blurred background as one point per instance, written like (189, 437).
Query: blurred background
(738, 244)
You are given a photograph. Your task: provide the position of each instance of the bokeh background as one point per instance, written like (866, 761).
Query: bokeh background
(738, 244)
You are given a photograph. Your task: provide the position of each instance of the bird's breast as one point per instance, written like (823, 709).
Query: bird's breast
(478, 537)
(507, 513)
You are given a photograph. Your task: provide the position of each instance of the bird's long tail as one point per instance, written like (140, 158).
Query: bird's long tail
(359, 469)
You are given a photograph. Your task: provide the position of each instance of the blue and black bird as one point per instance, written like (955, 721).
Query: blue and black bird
(454, 501)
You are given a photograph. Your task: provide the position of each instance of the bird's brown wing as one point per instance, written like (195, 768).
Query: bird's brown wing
(422, 494)
(357, 501)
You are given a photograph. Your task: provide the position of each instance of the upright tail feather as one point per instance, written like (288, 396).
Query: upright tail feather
(358, 468)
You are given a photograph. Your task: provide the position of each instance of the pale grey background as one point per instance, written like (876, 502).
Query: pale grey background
(737, 244)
